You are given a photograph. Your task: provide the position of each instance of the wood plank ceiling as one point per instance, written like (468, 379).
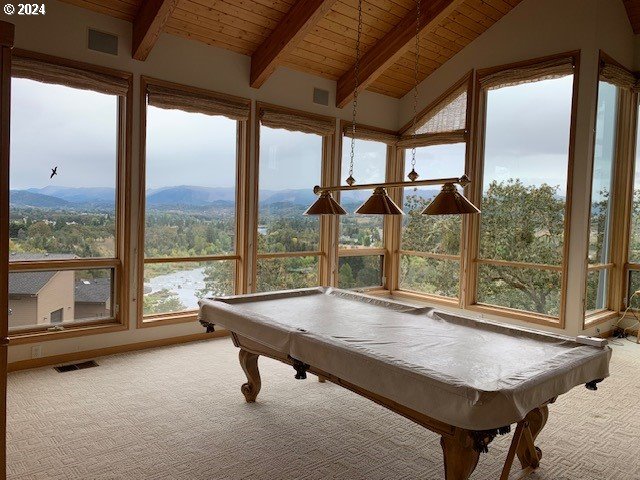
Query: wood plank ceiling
(633, 11)
(325, 44)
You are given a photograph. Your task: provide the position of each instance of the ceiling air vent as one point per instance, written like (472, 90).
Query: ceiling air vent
(103, 42)
(321, 97)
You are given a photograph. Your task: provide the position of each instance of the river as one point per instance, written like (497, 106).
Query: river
(185, 284)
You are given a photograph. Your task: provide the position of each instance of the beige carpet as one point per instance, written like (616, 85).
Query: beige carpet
(177, 413)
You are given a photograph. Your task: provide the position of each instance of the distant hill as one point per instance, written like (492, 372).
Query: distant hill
(191, 196)
(25, 198)
(180, 196)
(104, 195)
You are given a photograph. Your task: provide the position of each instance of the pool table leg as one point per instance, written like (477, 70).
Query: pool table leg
(460, 456)
(528, 454)
(249, 363)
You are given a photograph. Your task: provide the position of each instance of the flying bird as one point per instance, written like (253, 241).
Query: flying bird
(54, 171)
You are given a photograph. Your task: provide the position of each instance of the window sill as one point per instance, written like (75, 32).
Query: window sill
(599, 317)
(427, 298)
(167, 319)
(68, 332)
(512, 313)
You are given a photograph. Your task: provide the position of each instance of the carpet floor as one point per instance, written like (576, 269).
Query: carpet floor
(177, 413)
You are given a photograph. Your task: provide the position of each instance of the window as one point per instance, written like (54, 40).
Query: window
(291, 159)
(600, 263)
(430, 255)
(57, 316)
(633, 274)
(191, 199)
(67, 193)
(430, 246)
(361, 248)
(523, 188)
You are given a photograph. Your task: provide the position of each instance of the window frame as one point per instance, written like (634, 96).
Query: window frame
(398, 175)
(384, 250)
(622, 173)
(625, 147)
(119, 263)
(242, 138)
(473, 261)
(327, 262)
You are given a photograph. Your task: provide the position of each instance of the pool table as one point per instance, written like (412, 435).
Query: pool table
(466, 379)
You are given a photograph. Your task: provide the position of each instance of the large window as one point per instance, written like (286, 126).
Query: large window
(633, 279)
(600, 263)
(67, 245)
(361, 237)
(527, 131)
(430, 255)
(430, 246)
(292, 153)
(191, 201)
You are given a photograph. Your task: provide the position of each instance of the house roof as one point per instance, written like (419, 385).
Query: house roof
(28, 283)
(21, 257)
(96, 290)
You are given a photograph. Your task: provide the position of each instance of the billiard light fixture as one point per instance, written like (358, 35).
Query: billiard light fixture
(448, 202)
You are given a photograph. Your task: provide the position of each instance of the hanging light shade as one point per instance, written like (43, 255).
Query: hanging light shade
(450, 202)
(325, 205)
(379, 204)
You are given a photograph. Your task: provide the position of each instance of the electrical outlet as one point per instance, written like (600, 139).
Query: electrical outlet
(36, 351)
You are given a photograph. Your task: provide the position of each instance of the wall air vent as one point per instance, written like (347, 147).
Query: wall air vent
(76, 366)
(321, 97)
(103, 42)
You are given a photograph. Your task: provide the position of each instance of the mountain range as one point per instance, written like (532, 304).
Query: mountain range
(180, 196)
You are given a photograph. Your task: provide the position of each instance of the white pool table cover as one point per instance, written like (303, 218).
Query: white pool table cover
(465, 372)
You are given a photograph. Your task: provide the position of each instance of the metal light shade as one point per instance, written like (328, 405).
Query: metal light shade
(379, 204)
(450, 202)
(325, 205)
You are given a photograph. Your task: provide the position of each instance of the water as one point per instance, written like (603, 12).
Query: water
(185, 284)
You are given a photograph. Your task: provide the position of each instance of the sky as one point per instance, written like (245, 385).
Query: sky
(527, 137)
(52, 125)
(527, 133)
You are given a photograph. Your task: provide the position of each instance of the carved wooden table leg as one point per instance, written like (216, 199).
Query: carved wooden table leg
(249, 363)
(537, 419)
(460, 456)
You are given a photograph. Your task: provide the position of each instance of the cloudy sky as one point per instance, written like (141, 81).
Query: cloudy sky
(527, 138)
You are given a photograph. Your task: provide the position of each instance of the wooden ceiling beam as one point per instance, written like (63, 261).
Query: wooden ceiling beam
(300, 19)
(391, 47)
(148, 25)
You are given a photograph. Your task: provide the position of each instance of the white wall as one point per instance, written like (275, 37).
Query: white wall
(536, 28)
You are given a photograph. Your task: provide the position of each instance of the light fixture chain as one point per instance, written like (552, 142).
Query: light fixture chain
(355, 91)
(415, 85)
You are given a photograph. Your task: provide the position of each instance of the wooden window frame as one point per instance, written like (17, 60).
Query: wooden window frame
(327, 262)
(387, 222)
(622, 174)
(239, 257)
(120, 262)
(473, 260)
(395, 245)
(626, 146)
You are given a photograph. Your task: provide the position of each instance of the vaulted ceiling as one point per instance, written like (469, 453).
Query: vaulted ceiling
(317, 36)
(633, 11)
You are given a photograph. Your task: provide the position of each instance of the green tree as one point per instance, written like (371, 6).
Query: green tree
(162, 301)
(346, 276)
